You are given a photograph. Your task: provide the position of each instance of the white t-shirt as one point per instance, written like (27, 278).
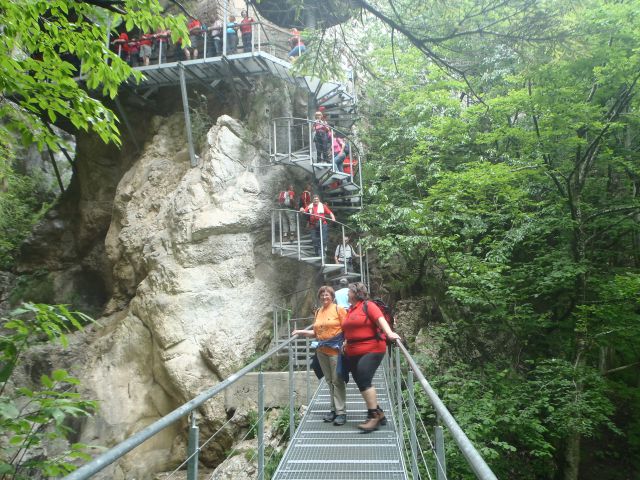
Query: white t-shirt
(348, 252)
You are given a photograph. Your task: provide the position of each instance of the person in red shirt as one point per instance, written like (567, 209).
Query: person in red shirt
(146, 42)
(318, 212)
(365, 349)
(246, 31)
(195, 35)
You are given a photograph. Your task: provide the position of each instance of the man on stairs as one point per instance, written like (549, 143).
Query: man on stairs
(287, 201)
(317, 213)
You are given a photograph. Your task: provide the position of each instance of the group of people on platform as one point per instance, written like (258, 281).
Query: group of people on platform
(331, 146)
(139, 50)
(315, 218)
(352, 330)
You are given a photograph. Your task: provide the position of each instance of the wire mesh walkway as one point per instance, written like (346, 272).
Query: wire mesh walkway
(322, 450)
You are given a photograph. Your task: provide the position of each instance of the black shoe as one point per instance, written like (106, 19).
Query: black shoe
(329, 417)
(340, 420)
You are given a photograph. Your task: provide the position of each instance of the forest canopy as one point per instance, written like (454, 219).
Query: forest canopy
(503, 182)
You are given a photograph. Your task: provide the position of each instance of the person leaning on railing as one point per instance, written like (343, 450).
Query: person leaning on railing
(327, 329)
(365, 348)
(195, 31)
(318, 212)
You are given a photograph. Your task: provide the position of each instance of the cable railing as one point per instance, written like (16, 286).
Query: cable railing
(425, 453)
(189, 409)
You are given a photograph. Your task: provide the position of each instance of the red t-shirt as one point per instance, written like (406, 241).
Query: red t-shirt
(315, 216)
(245, 24)
(357, 326)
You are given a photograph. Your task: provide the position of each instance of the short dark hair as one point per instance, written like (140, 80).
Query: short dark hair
(328, 289)
(359, 290)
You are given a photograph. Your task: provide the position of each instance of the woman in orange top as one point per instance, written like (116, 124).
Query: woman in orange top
(327, 328)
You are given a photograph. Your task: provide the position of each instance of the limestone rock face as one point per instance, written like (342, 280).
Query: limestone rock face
(193, 280)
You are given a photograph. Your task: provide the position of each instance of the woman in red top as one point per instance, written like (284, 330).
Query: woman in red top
(365, 349)
(246, 31)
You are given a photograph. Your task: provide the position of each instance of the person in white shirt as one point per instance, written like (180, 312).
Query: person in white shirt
(344, 251)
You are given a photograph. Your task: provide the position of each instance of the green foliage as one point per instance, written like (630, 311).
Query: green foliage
(281, 424)
(20, 209)
(32, 418)
(273, 456)
(252, 419)
(42, 42)
(519, 214)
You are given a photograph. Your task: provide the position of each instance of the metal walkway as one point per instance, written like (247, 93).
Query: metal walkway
(322, 450)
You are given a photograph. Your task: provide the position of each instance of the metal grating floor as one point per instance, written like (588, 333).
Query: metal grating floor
(321, 450)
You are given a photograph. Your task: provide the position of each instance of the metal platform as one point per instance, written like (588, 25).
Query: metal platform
(321, 450)
(207, 70)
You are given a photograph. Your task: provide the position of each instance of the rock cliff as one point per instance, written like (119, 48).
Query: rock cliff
(187, 266)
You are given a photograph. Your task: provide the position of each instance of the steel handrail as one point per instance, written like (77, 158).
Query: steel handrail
(129, 444)
(310, 214)
(310, 121)
(476, 462)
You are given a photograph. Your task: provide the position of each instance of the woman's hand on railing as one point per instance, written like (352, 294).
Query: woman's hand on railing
(393, 336)
(304, 333)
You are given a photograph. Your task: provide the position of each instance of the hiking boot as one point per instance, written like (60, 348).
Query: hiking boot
(383, 419)
(373, 420)
(340, 420)
(329, 417)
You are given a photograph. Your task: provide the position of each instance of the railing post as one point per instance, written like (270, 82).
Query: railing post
(275, 142)
(344, 253)
(280, 228)
(292, 416)
(298, 235)
(289, 139)
(308, 365)
(441, 466)
(225, 20)
(413, 439)
(361, 266)
(311, 145)
(259, 29)
(273, 231)
(399, 393)
(322, 240)
(160, 52)
(204, 46)
(260, 425)
(193, 449)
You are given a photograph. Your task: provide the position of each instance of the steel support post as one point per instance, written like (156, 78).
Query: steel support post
(275, 142)
(362, 277)
(259, 29)
(399, 394)
(280, 228)
(344, 253)
(273, 231)
(298, 235)
(187, 116)
(441, 466)
(308, 365)
(292, 416)
(225, 19)
(204, 46)
(160, 52)
(260, 425)
(289, 139)
(192, 450)
(413, 438)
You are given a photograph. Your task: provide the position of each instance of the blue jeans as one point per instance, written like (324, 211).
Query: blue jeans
(339, 161)
(315, 237)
